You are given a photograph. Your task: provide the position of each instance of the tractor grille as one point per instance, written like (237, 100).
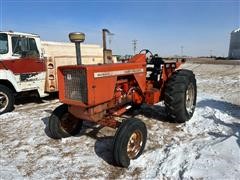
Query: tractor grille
(75, 84)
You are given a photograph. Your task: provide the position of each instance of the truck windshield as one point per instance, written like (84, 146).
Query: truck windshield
(3, 43)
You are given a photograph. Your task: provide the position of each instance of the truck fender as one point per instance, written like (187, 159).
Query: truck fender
(8, 76)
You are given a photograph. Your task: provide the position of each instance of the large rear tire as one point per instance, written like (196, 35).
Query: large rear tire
(6, 99)
(180, 96)
(62, 124)
(129, 141)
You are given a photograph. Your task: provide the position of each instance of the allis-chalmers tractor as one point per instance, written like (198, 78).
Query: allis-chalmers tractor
(100, 93)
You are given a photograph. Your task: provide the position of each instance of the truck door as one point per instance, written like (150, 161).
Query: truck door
(29, 58)
(27, 66)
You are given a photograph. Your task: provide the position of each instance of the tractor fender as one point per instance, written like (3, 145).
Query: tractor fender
(8, 78)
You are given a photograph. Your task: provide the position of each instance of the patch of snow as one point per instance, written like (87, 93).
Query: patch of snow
(206, 147)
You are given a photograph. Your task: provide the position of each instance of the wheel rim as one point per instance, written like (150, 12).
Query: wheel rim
(3, 101)
(190, 95)
(134, 144)
(68, 123)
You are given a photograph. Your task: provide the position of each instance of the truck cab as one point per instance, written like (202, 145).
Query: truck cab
(22, 66)
(15, 45)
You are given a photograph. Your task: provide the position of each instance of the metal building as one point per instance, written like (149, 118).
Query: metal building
(234, 48)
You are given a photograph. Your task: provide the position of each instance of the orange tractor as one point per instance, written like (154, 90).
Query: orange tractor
(100, 93)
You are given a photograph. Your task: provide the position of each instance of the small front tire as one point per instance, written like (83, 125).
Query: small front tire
(62, 124)
(129, 141)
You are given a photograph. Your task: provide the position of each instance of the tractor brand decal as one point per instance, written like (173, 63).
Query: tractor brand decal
(116, 73)
(69, 77)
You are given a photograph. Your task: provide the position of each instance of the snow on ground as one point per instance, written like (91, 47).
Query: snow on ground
(207, 146)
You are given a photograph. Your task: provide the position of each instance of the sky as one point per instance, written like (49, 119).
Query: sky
(201, 28)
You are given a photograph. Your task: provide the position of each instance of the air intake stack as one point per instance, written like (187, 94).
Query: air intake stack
(77, 38)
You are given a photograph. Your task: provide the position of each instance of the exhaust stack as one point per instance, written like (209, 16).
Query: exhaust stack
(77, 38)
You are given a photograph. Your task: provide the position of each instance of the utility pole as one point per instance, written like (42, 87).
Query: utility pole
(182, 50)
(134, 42)
(211, 51)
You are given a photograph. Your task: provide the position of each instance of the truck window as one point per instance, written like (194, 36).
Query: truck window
(33, 47)
(25, 46)
(3, 43)
(16, 45)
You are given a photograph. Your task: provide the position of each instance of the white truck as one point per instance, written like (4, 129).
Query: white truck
(24, 66)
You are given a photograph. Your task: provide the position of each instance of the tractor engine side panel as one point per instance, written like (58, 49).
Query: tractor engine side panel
(102, 90)
(103, 79)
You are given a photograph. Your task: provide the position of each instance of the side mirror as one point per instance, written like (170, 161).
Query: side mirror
(43, 52)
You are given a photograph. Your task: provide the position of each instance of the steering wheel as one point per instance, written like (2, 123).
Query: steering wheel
(148, 54)
(146, 51)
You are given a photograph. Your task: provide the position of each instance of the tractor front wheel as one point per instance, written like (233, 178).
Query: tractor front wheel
(63, 124)
(180, 96)
(129, 141)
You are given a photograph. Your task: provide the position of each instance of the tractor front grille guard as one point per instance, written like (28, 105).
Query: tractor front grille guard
(75, 85)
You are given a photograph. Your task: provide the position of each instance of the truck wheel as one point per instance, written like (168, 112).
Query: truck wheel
(180, 96)
(129, 141)
(62, 124)
(6, 99)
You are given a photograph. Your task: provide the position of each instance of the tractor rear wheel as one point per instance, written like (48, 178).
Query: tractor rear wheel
(180, 96)
(63, 124)
(129, 141)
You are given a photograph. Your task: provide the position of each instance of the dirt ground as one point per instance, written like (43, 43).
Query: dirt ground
(207, 146)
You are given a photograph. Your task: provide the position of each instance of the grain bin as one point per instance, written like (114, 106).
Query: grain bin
(234, 48)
